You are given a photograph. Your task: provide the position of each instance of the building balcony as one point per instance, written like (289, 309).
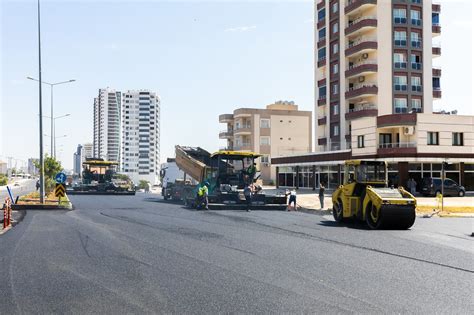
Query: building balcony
(361, 25)
(436, 29)
(436, 93)
(436, 51)
(322, 101)
(361, 90)
(243, 130)
(396, 149)
(322, 82)
(322, 121)
(396, 120)
(322, 42)
(321, 4)
(245, 146)
(436, 8)
(361, 45)
(356, 6)
(363, 68)
(321, 62)
(225, 118)
(365, 110)
(226, 134)
(321, 23)
(436, 72)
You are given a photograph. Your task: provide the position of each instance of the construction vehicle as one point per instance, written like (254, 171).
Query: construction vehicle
(174, 182)
(227, 172)
(100, 177)
(365, 196)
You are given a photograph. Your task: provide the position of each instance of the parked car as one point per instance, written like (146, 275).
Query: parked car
(431, 186)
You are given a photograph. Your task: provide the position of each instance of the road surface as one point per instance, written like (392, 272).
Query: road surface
(137, 254)
(24, 187)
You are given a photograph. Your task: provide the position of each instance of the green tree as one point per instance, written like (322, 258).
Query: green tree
(51, 168)
(143, 184)
(3, 180)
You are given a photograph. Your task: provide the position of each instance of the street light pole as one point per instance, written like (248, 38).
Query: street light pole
(40, 111)
(52, 107)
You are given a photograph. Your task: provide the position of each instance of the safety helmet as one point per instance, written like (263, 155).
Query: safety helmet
(206, 184)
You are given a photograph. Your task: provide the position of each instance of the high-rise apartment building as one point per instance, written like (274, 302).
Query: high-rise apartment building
(374, 85)
(373, 58)
(279, 129)
(140, 153)
(87, 151)
(107, 109)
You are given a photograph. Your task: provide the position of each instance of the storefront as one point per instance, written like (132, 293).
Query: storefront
(308, 171)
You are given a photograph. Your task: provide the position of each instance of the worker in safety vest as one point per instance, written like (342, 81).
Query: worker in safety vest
(202, 194)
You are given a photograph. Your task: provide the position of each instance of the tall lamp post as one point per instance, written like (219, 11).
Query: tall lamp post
(53, 134)
(52, 106)
(40, 112)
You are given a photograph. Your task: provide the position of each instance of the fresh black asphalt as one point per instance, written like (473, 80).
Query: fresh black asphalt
(138, 254)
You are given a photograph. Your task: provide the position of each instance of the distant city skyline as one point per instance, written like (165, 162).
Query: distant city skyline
(203, 58)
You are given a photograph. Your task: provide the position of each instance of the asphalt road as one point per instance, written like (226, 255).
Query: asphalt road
(24, 187)
(136, 254)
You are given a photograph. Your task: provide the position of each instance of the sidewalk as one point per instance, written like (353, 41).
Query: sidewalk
(453, 206)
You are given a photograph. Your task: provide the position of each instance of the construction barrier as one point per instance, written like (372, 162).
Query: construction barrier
(7, 213)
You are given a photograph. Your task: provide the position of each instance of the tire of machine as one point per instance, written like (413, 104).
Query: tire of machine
(373, 217)
(337, 211)
(405, 223)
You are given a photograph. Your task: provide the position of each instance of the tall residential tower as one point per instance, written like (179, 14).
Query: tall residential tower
(140, 157)
(107, 125)
(373, 58)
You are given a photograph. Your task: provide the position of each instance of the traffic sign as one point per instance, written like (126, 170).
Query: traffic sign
(60, 178)
(60, 190)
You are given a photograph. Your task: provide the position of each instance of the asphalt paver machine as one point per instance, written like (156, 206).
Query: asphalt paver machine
(227, 172)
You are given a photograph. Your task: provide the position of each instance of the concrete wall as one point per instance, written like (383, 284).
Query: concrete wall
(364, 127)
(384, 57)
(445, 125)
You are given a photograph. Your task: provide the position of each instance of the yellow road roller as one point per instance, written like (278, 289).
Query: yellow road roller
(365, 196)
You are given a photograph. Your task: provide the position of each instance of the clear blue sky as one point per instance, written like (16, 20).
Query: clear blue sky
(203, 58)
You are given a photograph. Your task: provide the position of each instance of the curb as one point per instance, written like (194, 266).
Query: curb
(41, 207)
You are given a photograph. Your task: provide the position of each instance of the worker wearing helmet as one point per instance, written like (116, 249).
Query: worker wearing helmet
(202, 194)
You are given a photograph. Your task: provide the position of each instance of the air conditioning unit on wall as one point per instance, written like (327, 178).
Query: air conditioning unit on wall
(409, 131)
(365, 56)
(361, 79)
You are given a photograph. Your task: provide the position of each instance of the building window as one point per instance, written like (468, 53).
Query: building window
(335, 130)
(335, 109)
(321, 53)
(415, 62)
(335, 48)
(335, 28)
(264, 123)
(458, 139)
(400, 16)
(264, 140)
(415, 16)
(335, 89)
(400, 83)
(321, 14)
(400, 61)
(335, 68)
(400, 105)
(322, 92)
(415, 40)
(416, 84)
(433, 138)
(400, 38)
(335, 6)
(360, 141)
(265, 159)
(416, 105)
(322, 33)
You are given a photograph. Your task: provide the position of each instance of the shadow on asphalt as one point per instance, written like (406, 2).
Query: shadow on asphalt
(350, 224)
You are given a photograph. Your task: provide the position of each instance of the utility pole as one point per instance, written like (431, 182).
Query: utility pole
(41, 161)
